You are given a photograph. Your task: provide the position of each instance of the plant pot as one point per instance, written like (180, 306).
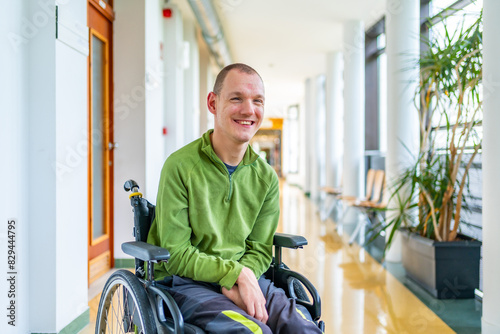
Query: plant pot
(447, 270)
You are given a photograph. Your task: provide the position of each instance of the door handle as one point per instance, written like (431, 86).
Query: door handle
(112, 146)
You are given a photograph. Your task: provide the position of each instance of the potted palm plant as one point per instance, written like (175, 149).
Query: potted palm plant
(432, 194)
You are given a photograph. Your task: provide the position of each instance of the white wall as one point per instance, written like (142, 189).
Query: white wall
(14, 157)
(41, 176)
(71, 188)
(129, 112)
(44, 144)
(44, 111)
(149, 95)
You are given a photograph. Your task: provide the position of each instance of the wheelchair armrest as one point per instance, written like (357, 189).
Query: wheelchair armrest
(145, 252)
(289, 240)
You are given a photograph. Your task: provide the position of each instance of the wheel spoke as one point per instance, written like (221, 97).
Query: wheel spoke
(124, 306)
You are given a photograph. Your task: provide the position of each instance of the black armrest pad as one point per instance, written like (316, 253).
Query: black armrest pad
(289, 240)
(145, 251)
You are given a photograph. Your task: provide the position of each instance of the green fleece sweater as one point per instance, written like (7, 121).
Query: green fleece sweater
(212, 223)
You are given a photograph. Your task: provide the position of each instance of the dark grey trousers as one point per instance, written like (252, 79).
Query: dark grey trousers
(202, 304)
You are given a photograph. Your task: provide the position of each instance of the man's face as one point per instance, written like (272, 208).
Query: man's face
(239, 108)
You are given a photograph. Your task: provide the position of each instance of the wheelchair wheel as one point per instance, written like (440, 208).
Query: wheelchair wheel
(124, 306)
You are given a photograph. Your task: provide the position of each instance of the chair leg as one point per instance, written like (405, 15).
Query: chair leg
(338, 209)
(380, 217)
(355, 233)
(324, 214)
(341, 219)
(357, 230)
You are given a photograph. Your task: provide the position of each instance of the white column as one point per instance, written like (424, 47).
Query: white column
(135, 110)
(154, 99)
(491, 165)
(57, 95)
(334, 119)
(319, 125)
(205, 86)
(306, 115)
(354, 108)
(311, 172)
(191, 84)
(303, 174)
(14, 150)
(174, 81)
(402, 31)
(43, 167)
(42, 149)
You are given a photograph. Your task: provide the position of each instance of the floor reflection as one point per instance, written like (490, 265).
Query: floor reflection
(358, 294)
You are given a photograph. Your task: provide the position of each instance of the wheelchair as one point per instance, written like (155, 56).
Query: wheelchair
(136, 303)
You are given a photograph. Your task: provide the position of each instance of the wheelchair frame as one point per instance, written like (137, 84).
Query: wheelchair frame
(148, 297)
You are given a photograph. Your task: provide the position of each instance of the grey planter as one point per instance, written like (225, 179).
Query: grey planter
(447, 270)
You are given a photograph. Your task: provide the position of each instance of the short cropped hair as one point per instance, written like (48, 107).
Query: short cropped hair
(219, 81)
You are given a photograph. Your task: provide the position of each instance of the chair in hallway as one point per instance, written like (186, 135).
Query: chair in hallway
(331, 202)
(335, 197)
(372, 200)
(370, 210)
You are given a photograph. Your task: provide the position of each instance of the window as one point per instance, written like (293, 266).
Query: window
(382, 89)
(449, 17)
(376, 88)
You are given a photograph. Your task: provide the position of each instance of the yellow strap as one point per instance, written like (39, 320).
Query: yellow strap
(135, 194)
(244, 321)
(302, 314)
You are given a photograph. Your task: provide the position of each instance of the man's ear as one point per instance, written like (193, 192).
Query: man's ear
(211, 102)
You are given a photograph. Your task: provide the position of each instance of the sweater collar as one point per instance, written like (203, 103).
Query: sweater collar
(249, 158)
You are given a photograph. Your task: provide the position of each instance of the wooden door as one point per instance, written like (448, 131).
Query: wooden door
(100, 138)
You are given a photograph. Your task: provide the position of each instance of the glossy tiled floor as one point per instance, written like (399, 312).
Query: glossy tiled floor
(358, 294)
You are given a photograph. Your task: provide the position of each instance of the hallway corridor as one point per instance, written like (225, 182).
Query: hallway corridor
(358, 294)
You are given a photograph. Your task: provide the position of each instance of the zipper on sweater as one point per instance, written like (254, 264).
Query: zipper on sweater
(224, 169)
(230, 187)
(231, 181)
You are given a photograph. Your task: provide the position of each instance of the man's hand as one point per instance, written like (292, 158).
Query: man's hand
(246, 294)
(234, 295)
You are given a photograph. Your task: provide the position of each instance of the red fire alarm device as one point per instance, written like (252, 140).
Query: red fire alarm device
(167, 12)
(164, 130)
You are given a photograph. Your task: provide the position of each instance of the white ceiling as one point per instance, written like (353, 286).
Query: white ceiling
(287, 41)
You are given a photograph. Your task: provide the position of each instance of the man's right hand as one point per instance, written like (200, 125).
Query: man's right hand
(246, 294)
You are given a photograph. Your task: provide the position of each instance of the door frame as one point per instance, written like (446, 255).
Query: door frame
(97, 248)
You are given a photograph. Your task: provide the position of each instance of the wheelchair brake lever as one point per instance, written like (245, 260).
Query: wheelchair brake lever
(131, 185)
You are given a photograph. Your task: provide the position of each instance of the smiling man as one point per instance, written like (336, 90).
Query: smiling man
(217, 211)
